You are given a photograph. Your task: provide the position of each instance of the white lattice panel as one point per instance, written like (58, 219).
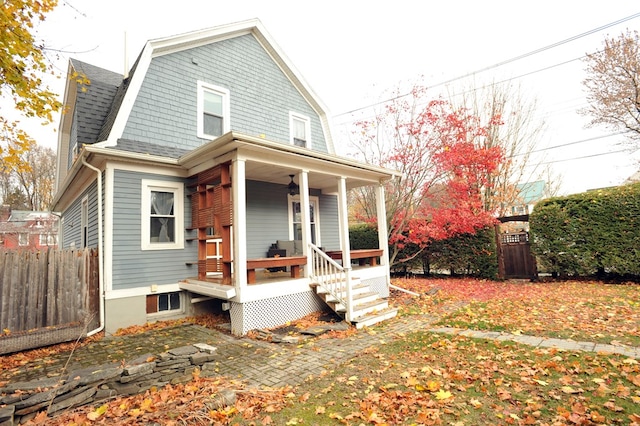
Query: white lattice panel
(379, 285)
(272, 312)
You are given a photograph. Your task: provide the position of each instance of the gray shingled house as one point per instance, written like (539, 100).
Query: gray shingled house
(207, 178)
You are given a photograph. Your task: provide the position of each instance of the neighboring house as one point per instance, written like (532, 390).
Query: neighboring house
(528, 195)
(209, 179)
(24, 229)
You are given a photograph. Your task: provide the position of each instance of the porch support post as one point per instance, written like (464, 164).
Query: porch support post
(383, 237)
(239, 189)
(343, 220)
(303, 178)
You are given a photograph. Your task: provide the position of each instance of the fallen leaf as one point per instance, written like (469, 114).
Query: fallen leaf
(443, 394)
(570, 390)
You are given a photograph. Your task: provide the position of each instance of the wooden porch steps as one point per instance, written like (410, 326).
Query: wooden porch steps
(368, 307)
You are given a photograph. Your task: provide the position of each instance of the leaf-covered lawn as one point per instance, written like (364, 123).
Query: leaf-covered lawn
(582, 311)
(430, 379)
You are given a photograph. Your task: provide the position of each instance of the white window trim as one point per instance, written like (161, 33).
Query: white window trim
(202, 87)
(21, 241)
(313, 200)
(307, 127)
(177, 188)
(47, 239)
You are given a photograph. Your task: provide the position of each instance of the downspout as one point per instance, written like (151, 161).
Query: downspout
(100, 248)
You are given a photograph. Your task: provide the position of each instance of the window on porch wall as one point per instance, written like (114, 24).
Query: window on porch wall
(295, 219)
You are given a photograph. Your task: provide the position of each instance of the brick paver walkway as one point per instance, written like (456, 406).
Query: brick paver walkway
(262, 363)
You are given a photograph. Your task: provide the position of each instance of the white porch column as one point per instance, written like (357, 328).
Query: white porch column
(383, 237)
(239, 241)
(343, 221)
(303, 178)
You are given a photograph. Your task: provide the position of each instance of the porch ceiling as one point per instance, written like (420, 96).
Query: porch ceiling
(279, 174)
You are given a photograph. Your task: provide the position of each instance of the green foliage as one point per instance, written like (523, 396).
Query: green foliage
(466, 254)
(363, 236)
(22, 66)
(589, 233)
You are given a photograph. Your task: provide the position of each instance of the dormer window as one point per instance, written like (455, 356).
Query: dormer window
(213, 111)
(300, 130)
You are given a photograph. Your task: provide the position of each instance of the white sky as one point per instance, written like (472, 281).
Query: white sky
(352, 51)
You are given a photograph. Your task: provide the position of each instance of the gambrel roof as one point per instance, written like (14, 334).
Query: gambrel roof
(104, 105)
(95, 101)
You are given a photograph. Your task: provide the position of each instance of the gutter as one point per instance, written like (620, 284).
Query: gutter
(100, 248)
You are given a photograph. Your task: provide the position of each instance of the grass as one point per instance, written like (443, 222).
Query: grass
(428, 378)
(435, 379)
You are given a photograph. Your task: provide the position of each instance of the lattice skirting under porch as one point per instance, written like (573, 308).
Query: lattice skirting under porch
(273, 312)
(379, 285)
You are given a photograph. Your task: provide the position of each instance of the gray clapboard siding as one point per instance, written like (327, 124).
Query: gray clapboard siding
(133, 267)
(268, 217)
(72, 226)
(329, 229)
(261, 96)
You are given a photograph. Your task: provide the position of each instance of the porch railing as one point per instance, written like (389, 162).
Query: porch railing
(333, 278)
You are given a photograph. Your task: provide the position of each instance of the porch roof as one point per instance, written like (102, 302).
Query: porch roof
(271, 161)
(267, 161)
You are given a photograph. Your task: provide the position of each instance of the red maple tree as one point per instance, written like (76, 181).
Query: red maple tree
(446, 168)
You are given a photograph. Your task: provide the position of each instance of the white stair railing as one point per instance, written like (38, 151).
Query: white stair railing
(332, 278)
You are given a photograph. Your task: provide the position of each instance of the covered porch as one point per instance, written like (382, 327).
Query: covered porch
(249, 193)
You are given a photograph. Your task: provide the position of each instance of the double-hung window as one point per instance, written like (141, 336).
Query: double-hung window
(213, 111)
(300, 130)
(162, 215)
(48, 239)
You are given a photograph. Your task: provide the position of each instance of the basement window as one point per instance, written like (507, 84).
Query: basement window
(164, 302)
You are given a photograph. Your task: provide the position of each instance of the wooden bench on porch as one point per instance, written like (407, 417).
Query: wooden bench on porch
(362, 255)
(295, 262)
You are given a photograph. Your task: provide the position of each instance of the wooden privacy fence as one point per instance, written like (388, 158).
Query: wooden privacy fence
(47, 297)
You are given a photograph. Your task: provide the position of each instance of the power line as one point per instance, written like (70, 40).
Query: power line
(582, 157)
(571, 143)
(499, 64)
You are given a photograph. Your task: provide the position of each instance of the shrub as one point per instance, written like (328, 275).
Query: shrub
(590, 233)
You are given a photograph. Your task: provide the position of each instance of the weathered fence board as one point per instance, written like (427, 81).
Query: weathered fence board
(52, 289)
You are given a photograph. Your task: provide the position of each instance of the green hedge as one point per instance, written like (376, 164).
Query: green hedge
(466, 254)
(590, 233)
(363, 236)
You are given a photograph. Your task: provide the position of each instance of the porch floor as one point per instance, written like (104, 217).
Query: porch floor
(214, 287)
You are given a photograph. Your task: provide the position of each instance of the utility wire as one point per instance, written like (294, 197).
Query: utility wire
(570, 143)
(499, 64)
(583, 157)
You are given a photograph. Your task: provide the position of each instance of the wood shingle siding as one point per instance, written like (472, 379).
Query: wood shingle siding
(261, 95)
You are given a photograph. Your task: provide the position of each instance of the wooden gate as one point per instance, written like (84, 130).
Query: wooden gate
(515, 259)
(516, 256)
